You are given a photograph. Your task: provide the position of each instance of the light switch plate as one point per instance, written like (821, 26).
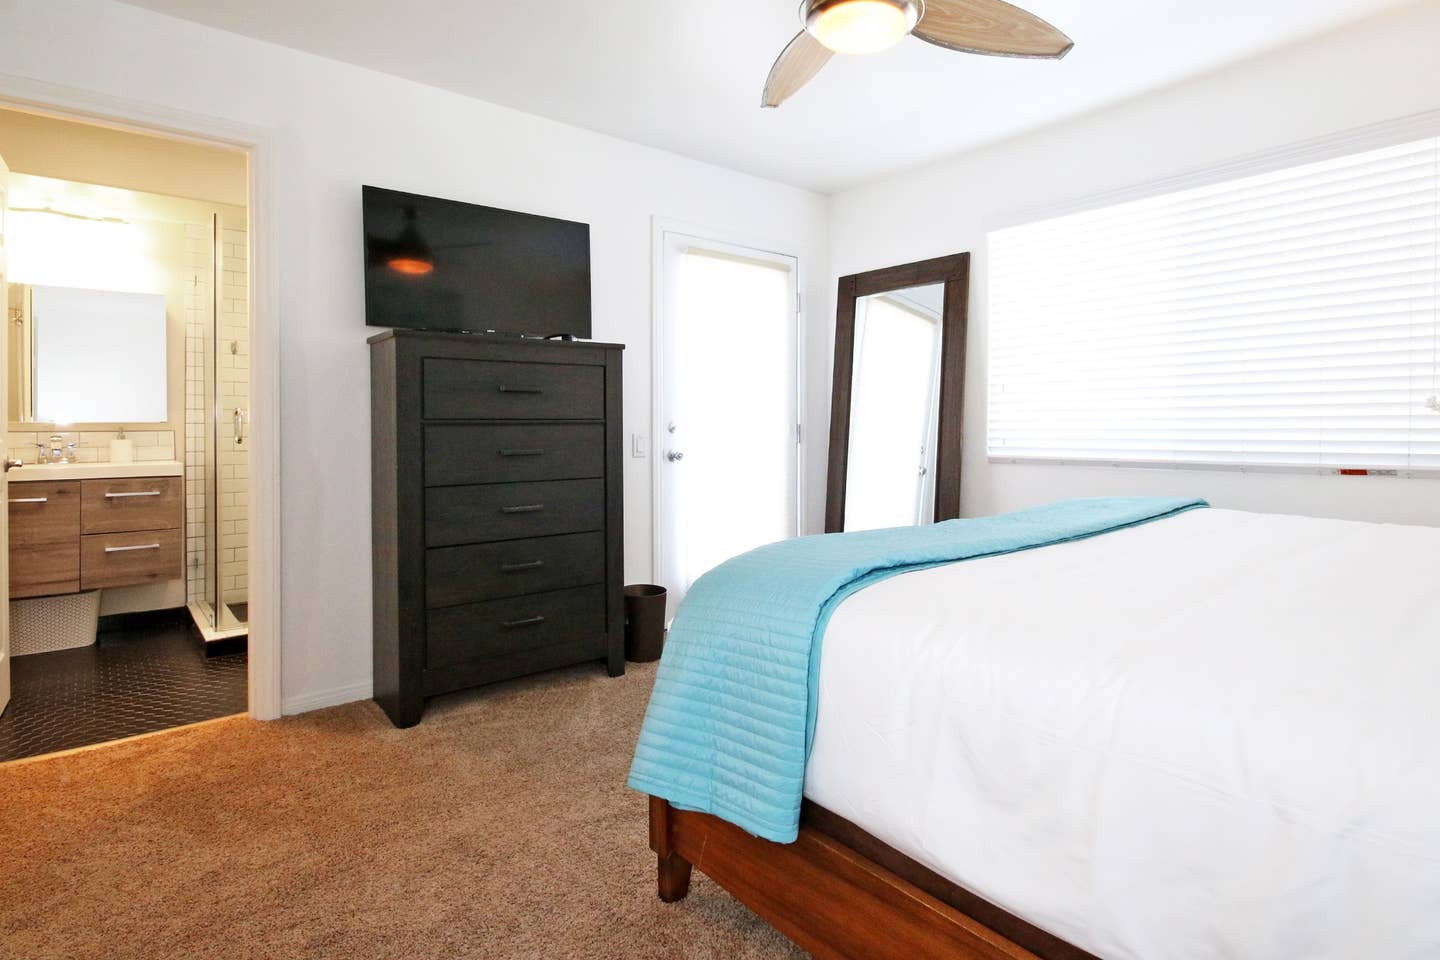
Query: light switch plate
(639, 446)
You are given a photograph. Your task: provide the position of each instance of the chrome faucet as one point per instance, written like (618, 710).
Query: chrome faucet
(59, 451)
(43, 455)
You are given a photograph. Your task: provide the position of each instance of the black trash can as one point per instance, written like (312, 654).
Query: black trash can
(644, 622)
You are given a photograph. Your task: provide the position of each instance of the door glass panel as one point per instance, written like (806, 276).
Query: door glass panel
(730, 397)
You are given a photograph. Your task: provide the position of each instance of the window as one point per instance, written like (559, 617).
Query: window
(1287, 319)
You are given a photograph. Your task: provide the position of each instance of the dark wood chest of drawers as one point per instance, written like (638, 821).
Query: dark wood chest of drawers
(497, 511)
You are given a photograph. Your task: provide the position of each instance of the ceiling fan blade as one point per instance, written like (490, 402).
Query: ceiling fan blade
(797, 65)
(991, 27)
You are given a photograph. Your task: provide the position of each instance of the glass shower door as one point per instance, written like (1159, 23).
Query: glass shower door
(225, 436)
(230, 426)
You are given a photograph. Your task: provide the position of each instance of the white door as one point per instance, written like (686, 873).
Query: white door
(4, 458)
(726, 438)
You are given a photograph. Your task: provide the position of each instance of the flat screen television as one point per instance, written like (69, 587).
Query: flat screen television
(434, 264)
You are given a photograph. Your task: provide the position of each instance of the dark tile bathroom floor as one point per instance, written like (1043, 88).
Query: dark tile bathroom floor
(137, 678)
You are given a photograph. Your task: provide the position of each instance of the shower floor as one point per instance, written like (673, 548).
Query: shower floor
(200, 613)
(136, 678)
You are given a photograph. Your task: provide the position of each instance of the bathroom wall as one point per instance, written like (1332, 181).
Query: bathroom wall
(166, 248)
(95, 445)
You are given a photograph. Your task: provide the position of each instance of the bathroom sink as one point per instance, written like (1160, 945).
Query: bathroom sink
(96, 471)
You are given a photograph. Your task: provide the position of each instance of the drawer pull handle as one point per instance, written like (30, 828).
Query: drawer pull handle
(30, 500)
(112, 495)
(522, 453)
(527, 622)
(138, 546)
(505, 389)
(518, 567)
(526, 508)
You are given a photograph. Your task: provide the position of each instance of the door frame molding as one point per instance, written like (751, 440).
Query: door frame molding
(258, 143)
(660, 226)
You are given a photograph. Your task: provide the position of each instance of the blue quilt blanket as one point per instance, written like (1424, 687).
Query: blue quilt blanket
(732, 714)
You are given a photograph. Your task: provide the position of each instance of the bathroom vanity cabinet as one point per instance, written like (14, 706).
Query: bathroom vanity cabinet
(88, 534)
(497, 531)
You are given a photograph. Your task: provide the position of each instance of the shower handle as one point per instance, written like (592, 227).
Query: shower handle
(239, 422)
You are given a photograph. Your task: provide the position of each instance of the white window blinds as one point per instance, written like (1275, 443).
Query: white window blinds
(1290, 319)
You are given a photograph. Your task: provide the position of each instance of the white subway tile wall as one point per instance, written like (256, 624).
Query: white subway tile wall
(199, 252)
(93, 445)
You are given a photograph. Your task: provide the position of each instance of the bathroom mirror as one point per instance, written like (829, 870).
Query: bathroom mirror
(87, 356)
(897, 397)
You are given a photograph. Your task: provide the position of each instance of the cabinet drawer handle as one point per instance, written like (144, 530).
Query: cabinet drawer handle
(521, 453)
(505, 389)
(139, 546)
(526, 508)
(112, 495)
(527, 622)
(29, 499)
(517, 567)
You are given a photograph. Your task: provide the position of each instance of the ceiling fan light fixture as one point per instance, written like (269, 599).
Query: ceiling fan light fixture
(861, 26)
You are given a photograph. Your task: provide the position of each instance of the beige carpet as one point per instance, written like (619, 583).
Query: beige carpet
(499, 827)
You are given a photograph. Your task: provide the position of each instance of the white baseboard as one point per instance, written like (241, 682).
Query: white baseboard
(333, 697)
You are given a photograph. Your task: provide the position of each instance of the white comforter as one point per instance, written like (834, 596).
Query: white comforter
(1216, 735)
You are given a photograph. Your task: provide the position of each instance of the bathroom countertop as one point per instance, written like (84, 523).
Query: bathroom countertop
(97, 471)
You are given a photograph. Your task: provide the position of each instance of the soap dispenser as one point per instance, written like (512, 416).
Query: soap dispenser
(122, 448)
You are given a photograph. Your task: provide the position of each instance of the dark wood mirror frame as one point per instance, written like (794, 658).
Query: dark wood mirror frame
(954, 273)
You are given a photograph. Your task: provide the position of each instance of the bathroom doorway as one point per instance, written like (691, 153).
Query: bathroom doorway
(128, 404)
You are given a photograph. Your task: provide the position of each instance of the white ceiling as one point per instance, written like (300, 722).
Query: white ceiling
(686, 75)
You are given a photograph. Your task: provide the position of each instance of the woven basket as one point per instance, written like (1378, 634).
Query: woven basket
(43, 624)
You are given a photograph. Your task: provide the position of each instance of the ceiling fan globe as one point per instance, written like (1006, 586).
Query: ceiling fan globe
(860, 26)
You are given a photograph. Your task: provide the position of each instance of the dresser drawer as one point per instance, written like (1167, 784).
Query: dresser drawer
(497, 628)
(500, 390)
(119, 506)
(488, 571)
(510, 511)
(506, 453)
(43, 511)
(41, 569)
(127, 559)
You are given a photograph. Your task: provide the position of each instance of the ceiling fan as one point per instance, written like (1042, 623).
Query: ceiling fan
(990, 27)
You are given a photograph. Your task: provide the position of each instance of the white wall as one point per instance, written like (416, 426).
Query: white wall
(1383, 69)
(337, 127)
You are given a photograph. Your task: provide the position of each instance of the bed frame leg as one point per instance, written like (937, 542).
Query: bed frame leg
(674, 876)
(672, 870)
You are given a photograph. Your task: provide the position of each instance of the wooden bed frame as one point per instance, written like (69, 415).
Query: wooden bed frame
(840, 893)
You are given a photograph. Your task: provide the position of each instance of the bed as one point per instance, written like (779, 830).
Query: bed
(1211, 735)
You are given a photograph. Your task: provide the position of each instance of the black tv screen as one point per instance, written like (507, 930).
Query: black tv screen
(436, 264)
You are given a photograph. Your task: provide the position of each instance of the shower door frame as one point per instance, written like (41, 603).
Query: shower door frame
(263, 213)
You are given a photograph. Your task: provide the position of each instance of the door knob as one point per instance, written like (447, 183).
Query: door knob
(12, 463)
(674, 456)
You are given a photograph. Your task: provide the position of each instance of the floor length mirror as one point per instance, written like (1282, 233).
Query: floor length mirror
(896, 402)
